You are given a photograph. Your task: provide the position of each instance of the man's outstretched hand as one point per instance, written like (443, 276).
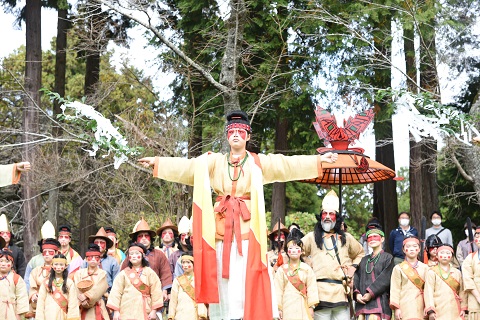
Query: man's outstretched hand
(329, 157)
(147, 161)
(24, 166)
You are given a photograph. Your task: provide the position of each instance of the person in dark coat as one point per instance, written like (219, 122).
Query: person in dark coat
(372, 279)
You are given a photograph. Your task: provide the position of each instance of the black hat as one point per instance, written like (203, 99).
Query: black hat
(109, 229)
(373, 224)
(238, 117)
(64, 228)
(433, 241)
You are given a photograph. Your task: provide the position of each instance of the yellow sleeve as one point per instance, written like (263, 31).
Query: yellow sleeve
(395, 287)
(115, 296)
(9, 175)
(73, 309)
(172, 305)
(355, 249)
(463, 294)
(156, 292)
(467, 272)
(21, 297)
(99, 288)
(280, 283)
(42, 296)
(174, 169)
(312, 289)
(430, 279)
(280, 168)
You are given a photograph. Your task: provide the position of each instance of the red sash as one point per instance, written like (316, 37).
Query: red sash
(296, 281)
(60, 299)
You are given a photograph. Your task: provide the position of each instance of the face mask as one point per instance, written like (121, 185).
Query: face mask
(436, 222)
(327, 226)
(404, 222)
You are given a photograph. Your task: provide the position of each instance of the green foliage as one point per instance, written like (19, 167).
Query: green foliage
(403, 190)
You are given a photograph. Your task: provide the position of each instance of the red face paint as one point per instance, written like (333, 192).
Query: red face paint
(167, 233)
(242, 133)
(331, 215)
(49, 252)
(90, 258)
(101, 243)
(374, 237)
(444, 255)
(282, 237)
(294, 250)
(143, 235)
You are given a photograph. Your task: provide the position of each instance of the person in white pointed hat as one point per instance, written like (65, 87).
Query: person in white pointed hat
(10, 173)
(334, 255)
(47, 232)
(183, 244)
(18, 257)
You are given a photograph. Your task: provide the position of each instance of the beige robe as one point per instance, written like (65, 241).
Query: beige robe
(471, 281)
(48, 308)
(37, 278)
(294, 305)
(13, 298)
(440, 298)
(404, 295)
(182, 307)
(95, 294)
(325, 265)
(9, 175)
(124, 297)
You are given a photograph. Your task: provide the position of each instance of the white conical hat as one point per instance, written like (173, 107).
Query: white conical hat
(4, 223)
(184, 225)
(331, 202)
(48, 230)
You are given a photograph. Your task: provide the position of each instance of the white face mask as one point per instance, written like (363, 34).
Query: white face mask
(327, 226)
(404, 222)
(436, 222)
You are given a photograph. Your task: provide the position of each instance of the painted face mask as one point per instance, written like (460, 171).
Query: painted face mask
(374, 237)
(444, 255)
(294, 250)
(242, 133)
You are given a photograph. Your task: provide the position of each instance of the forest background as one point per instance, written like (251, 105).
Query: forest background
(275, 60)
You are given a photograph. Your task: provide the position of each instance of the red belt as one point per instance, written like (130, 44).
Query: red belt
(233, 207)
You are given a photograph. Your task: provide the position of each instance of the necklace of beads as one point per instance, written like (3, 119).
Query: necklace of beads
(294, 272)
(236, 165)
(57, 283)
(443, 274)
(374, 260)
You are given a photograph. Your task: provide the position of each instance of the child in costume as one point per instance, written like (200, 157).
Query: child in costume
(182, 300)
(372, 280)
(471, 274)
(92, 284)
(407, 283)
(13, 291)
(57, 297)
(40, 274)
(295, 285)
(137, 291)
(444, 295)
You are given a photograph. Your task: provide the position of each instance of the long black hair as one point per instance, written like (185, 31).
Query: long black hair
(64, 275)
(318, 231)
(144, 260)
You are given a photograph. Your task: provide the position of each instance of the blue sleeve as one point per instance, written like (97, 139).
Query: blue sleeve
(178, 270)
(415, 232)
(28, 270)
(391, 240)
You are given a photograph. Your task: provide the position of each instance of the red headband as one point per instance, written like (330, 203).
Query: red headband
(411, 239)
(237, 125)
(92, 254)
(136, 247)
(49, 246)
(9, 257)
(445, 248)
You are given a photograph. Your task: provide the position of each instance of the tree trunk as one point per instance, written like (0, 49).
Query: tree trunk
(230, 60)
(60, 71)
(279, 207)
(33, 82)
